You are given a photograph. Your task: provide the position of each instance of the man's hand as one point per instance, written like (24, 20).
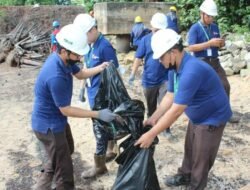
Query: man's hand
(131, 79)
(145, 140)
(150, 121)
(103, 66)
(106, 115)
(216, 42)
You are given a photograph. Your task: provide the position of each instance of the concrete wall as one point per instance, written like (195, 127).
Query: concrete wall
(118, 18)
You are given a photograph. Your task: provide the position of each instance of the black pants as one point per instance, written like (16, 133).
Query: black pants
(59, 147)
(154, 96)
(201, 146)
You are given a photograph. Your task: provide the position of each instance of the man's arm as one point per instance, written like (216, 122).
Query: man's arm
(86, 73)
(136, 64)
(214, 42)
(164, 122)
(164, 106)
(168, 118)
(104, 114)
(71, 111)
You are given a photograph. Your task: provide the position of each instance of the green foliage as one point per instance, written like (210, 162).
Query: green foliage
(11, 2)
(2, 15)
(40, 2)
(234, 16)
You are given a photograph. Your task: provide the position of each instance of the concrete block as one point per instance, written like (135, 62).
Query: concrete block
(118, 18)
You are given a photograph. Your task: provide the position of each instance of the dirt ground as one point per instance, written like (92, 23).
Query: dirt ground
(21, 157)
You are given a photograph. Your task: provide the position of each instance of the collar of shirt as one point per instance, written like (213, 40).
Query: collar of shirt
(66, 68)
(96, 43)
(183, 62)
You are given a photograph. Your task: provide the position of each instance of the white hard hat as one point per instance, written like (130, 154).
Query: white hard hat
(85, 22)
(73, 39)
(209, 7)
(159, 21)
(162, 41)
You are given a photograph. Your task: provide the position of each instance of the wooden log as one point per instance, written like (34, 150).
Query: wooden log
(30, 62)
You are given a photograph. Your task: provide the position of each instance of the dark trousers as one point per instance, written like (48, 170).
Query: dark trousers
(59, 147)
(201, 146)
(215, 63)
(154, 96)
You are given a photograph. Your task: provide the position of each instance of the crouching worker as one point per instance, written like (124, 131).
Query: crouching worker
(53, 93)
(193, 87)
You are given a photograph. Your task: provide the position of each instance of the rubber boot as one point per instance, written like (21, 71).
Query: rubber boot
(110, 155)
(99, 169)
(44, 182)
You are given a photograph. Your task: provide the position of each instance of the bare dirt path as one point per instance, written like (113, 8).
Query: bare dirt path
(21, 158)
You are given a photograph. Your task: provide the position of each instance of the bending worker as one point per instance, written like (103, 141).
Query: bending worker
(193, 88)
(53, 93)
(155, 76)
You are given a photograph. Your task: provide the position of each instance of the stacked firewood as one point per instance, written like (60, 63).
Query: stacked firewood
(27, 44)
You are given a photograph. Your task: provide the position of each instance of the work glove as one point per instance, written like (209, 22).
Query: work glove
(81, 95)
(131, 80)
(131, 45)
(106, 115)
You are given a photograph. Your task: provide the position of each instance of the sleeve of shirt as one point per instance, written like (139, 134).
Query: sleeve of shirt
(170, 86)
(188, 86)
(217, 31)
(141, 50)
(75, 69)
(192, 35)
(110, 54)
(59, 91)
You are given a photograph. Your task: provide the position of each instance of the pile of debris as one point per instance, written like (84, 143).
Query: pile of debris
(27, 44)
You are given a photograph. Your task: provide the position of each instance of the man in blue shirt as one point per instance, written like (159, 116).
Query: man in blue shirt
(100, 51)
(204, 40)
(172, 20)
(53, 93)
(137, 32)
(193, 88)
(155, 76)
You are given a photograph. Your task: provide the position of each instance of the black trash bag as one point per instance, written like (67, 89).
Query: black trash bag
(132, 114)
(137, 168)
(112, 94)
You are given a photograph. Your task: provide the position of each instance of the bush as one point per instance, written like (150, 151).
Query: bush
(234, 16)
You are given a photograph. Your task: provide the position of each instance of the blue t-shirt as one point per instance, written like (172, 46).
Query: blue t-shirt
(100, 52)
(198, 86)
(137, 33)
(172, 21)
(199, 33)
(154, 73)
(53, 89)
